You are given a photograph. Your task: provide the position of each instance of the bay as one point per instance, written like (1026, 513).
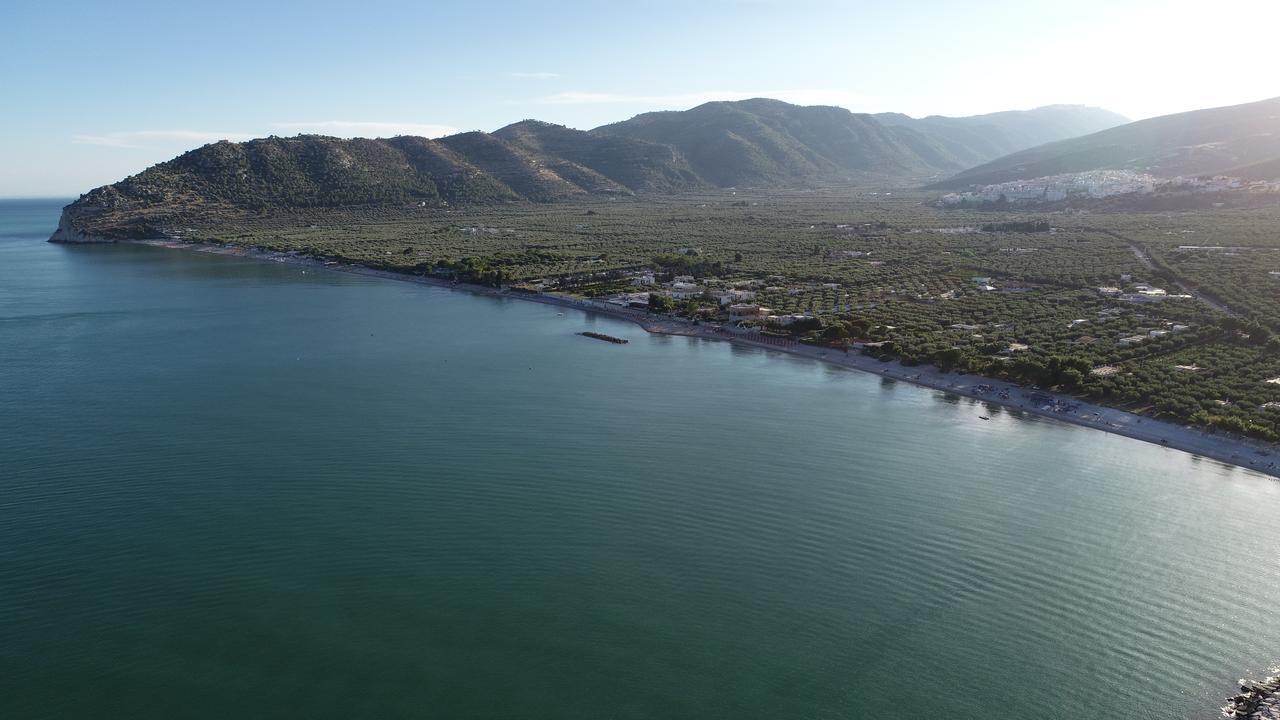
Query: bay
(237, 488)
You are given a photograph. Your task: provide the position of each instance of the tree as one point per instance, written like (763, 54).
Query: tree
(661, 303)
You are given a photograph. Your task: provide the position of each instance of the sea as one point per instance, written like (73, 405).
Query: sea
(238, 488)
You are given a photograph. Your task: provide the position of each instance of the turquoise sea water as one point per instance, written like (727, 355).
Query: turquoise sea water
(231, 488)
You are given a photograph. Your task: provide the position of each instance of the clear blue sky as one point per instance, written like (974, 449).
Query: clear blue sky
(94, 91)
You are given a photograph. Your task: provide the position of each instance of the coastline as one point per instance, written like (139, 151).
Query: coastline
(1245, 453)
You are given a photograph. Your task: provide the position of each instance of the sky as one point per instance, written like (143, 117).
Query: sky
(91, 92)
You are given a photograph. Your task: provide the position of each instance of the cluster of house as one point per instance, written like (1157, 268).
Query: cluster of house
(1157, 333)
(737, 300)
(1165, 328)
(1056, 188)
(1141, 293)
(1096, 184)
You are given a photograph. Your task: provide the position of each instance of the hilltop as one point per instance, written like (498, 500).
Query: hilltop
(1240, 140)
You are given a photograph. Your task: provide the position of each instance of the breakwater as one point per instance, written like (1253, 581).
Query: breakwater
(606, 338)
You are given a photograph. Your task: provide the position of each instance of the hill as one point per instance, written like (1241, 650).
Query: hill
(1203, 142)
(607, 163)
(309, 171)
(757, 142)
(760, 141)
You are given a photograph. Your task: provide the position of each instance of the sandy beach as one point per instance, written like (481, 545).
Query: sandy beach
(1243, 452)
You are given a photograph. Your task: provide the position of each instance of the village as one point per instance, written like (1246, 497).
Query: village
(1097, 184)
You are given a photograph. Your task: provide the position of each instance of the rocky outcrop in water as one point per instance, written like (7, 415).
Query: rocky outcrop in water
(1257, 700)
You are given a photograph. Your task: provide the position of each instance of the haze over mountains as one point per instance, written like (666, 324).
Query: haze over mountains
(1239, 140)
(718, 144)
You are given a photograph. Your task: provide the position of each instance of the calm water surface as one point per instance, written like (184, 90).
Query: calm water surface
(231, 488)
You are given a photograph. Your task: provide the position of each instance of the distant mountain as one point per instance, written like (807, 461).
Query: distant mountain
(752, 142)
(978, 138)
(1237, 140)
(756, 142)
(759, 141)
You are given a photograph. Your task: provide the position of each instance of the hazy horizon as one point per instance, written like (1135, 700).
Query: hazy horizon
(100, 93)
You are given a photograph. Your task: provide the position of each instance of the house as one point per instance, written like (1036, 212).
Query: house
(636, 299)
(745, 311)
(1108, 290)
(643, 280)
(729, 297)
(1131, 340)
(684, 291)
(790, 319)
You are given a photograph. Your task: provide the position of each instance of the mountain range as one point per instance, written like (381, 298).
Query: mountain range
(1239, 140)
(720, 144)
(748, 143)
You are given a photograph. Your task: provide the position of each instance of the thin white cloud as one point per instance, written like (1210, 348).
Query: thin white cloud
(535, 75)
(358, 128)
(801, 96)
(149, 138)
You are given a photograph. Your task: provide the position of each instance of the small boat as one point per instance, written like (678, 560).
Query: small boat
(983, 417)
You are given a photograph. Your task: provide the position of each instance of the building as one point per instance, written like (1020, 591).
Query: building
(745, 311)
(791, 319)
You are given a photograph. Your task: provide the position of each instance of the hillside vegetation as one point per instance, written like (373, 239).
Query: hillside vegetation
(768, 142)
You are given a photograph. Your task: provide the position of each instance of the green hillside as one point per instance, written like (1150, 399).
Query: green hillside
(603, 163)
(759, 142)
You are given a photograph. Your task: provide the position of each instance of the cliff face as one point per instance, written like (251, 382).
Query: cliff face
(67, 232)
(106, 215)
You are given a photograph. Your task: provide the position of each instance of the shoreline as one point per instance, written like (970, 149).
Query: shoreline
(1245, 453)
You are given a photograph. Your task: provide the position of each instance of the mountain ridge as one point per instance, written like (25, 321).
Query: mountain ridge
(759, 142)
(1235, 139)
